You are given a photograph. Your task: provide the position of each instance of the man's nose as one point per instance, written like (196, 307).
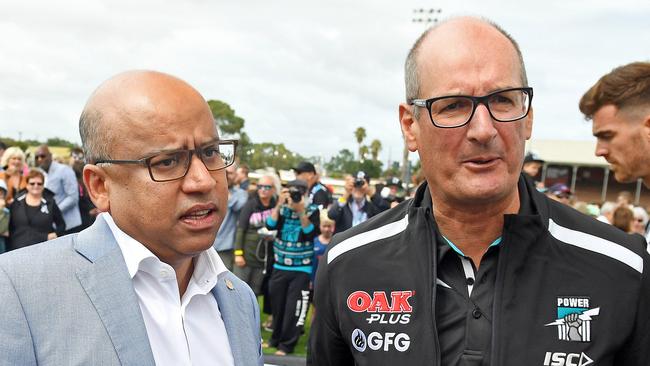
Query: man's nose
(481, 126)
(198, 177)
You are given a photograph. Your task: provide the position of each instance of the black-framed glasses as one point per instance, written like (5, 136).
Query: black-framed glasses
(35, 183)
(171, 165)
(507, 105)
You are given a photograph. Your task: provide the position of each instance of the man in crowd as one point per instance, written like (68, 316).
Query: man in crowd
(224, 243)
(318, 193)
(619, 107)
(242, 177)
(63, 183)
(296, 221)
(142, 285)
(3, 147)
(354, 207)
(532, 165)
(479, 268)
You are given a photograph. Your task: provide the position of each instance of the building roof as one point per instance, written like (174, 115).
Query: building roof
(567, 152)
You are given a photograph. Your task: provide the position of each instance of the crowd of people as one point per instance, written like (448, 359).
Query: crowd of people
(273, 235)
(41, 198)
(480, 265)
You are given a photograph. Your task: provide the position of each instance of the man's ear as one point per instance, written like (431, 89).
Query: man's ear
(409, 126)
(95, 181)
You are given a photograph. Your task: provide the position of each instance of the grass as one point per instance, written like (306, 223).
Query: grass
(301, 346)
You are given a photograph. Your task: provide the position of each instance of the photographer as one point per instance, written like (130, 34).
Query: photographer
(296, 220)
(354, 207)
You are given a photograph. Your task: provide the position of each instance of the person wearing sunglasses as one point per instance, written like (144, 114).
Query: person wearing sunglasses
(250, 245)
(35, 217)
(143, 284)
(479, 268)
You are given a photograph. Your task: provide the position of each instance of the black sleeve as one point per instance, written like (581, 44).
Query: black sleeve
(242, 225)
(322, 198)
(58, 220)
(326, 344)
(335, 211)
(636, 351)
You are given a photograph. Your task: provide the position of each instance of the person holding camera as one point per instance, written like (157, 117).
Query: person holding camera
(354, 207)
(296, 220)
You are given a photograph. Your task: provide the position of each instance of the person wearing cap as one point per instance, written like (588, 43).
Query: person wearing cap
(354, 207)
(4, 217)
(560, 192)
(296, 221)
(532, 164)
(318, 193)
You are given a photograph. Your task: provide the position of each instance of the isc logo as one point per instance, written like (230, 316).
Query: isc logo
(567, 359)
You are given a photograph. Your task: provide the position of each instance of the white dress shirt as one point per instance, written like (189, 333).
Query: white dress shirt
(182, 331)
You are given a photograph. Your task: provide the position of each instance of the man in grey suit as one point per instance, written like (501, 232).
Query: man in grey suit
(142, 285)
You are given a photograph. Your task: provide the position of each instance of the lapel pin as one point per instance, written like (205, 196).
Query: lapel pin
(229, 284)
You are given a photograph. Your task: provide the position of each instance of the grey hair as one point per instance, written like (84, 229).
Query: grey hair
(411, 77)
(95, 140)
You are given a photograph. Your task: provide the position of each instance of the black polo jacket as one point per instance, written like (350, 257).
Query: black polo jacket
(569, 291)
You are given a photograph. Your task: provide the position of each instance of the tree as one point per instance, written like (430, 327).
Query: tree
(231, 124)
(345, 163)
(375, 148)
(363, 151)
(360, 134)
(268, 154)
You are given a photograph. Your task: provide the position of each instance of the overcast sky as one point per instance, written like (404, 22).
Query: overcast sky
(305, 73)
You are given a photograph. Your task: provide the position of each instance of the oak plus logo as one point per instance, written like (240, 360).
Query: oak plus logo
(393, 308)
(567, 359)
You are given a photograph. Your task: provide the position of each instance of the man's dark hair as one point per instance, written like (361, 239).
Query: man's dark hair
(3, 146)
(625, 86)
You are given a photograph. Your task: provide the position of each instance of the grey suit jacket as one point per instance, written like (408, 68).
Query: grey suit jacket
(71, 301)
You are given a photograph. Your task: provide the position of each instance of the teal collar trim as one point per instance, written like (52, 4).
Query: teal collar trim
(496, 242)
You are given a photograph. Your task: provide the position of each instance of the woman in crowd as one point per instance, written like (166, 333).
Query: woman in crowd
(34, 217)
(250, 246)
(12, 162)
(623, 218)
(640, 220)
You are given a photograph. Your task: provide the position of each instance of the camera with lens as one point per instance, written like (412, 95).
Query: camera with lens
(296, 194)
(359, 182)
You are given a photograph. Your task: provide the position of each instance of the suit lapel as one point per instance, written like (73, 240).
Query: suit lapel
(232, 301)
(108, 285)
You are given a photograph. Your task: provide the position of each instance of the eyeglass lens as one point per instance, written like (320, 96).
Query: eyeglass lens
(264, 187)
(175, 164)
(509, 105)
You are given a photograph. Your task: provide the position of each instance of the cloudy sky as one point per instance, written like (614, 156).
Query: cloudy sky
(306, 73)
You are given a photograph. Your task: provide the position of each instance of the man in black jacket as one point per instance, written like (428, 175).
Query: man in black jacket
(479, 268)
(354, 207)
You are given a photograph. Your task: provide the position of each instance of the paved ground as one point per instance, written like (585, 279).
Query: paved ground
(271, 360)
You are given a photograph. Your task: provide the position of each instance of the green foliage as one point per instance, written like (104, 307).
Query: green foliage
(226, 118)
(359, 135)
(375, 148)
(24, 144)
(345, 163)
(231, 124)
(267, 154)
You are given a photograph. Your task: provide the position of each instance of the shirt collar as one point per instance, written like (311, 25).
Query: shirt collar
(207, 266)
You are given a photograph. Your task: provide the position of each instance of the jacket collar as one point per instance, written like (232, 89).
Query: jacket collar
(531, 201)
(108, 285)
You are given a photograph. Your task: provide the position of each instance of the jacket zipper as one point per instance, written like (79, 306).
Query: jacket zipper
(498, 290)
(432, 285)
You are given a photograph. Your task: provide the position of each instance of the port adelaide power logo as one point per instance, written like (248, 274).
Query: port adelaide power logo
(574, 317)
(383, 308)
